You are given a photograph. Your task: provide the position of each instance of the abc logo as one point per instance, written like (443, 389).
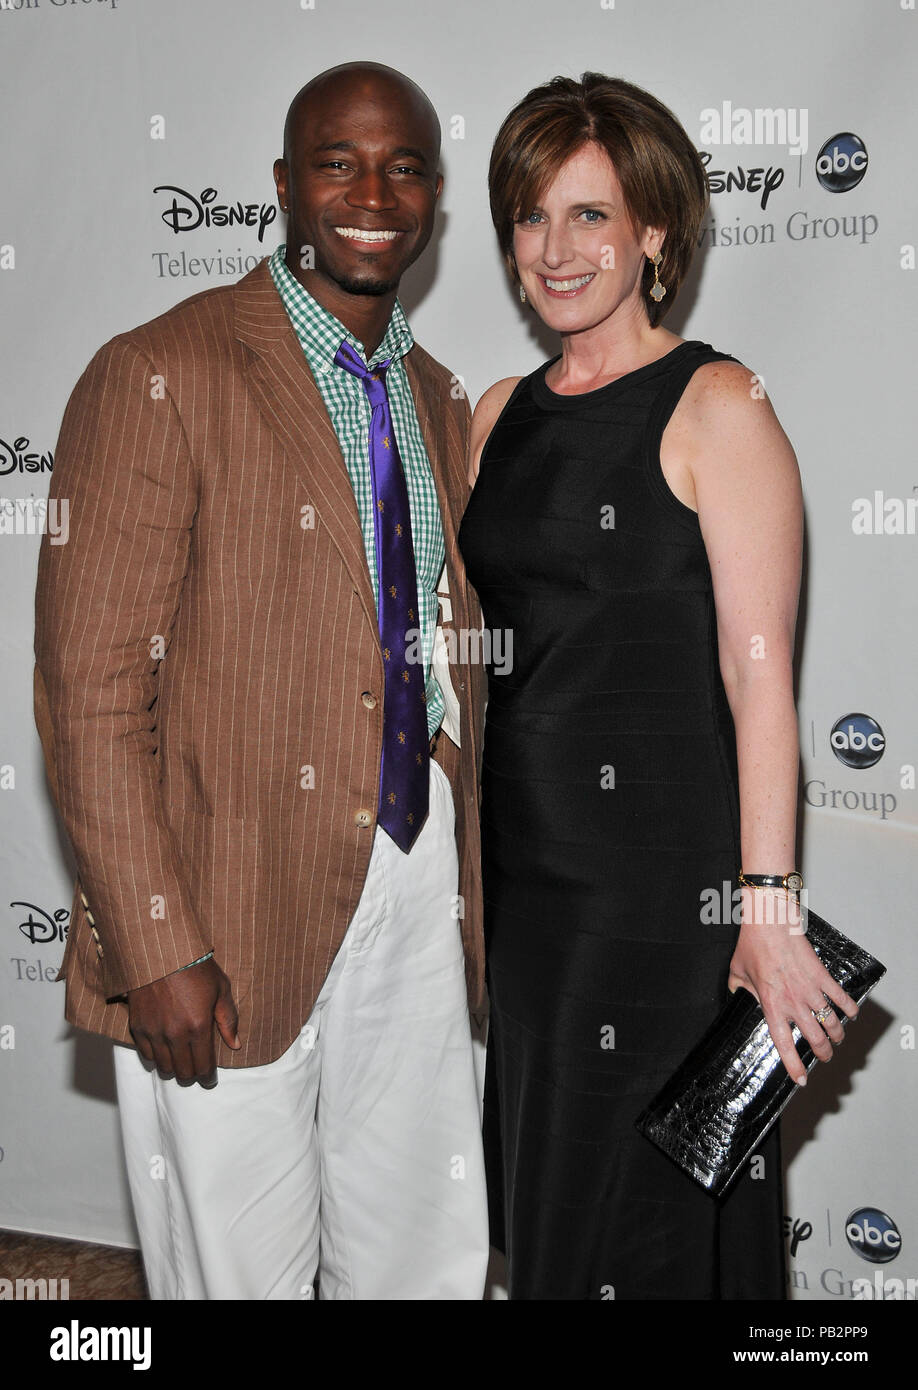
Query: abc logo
(873, 1235)
(857, 740)
(841, 163)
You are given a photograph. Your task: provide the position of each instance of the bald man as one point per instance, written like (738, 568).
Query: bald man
(265, 761)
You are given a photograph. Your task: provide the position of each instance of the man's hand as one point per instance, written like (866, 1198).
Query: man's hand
(172, 1022)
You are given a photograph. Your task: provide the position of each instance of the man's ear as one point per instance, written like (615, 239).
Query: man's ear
(280, 180)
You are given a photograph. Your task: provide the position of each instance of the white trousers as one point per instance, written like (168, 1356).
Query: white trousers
(356, 1156)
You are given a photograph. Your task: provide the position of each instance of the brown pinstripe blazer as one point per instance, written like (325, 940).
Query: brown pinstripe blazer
(188, 452)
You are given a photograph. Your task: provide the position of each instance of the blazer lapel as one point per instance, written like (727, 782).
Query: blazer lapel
(425, 390)
(282, 384)
(283, 387)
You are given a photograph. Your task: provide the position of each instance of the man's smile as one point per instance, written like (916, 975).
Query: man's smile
(363, 236)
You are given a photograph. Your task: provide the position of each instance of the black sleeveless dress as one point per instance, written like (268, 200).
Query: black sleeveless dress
(609, 804)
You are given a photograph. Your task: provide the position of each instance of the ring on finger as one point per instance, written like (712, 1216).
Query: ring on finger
(823, 1013)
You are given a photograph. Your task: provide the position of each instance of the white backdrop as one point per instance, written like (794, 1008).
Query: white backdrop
(815, 291)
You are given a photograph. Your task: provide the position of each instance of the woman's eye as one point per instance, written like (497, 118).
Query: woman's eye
(531, 219)
(593, 215)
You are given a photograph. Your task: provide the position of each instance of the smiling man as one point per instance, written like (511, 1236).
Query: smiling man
(273, 807)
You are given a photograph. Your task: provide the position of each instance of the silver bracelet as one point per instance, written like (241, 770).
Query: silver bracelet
(195, 962)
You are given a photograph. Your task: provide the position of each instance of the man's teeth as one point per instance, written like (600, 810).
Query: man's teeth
(569, 284)
(359, 234)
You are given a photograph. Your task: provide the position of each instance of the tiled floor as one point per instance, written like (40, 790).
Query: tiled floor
(94, 1271)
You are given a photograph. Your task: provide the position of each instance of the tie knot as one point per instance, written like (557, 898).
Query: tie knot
(372, 377)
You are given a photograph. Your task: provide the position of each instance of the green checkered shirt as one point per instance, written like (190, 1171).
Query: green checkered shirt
(320, 335)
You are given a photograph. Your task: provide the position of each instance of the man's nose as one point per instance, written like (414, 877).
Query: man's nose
(372, 190)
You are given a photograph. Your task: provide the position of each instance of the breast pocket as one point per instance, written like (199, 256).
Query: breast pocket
(222, 859)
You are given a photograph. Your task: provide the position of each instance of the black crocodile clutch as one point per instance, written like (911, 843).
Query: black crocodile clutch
(723, 1099)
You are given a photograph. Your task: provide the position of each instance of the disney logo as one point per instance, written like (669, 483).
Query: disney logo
(192, 212)
(14, 459)
(759, 180)
(798, 1232)
(41, 926)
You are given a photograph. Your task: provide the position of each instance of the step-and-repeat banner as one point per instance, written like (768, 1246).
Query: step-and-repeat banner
(135, 169)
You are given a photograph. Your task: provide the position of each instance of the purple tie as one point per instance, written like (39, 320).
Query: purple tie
(405, 771)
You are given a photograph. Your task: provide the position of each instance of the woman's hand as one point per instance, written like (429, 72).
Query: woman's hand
(776, 963)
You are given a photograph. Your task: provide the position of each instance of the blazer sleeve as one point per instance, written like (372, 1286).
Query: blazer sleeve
(106, 602)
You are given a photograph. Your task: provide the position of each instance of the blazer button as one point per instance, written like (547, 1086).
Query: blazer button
(363, 819)
(369, 699)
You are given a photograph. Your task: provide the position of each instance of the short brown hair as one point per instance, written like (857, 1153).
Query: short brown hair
(660, 171)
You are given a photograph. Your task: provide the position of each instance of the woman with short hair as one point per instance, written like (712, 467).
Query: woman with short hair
(636, 525)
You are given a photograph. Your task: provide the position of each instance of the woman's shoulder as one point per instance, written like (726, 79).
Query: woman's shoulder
(496, 397)
(485, 415)
(724, 398)
(719, 379)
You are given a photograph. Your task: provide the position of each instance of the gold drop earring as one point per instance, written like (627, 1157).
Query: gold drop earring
(657, 290)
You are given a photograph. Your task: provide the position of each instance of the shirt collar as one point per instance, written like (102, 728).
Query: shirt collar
(320, 333)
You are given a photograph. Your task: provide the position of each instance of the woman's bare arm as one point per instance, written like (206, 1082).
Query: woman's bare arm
(749, 502)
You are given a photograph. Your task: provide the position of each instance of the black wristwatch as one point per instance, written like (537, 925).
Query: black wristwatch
(793, 881)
